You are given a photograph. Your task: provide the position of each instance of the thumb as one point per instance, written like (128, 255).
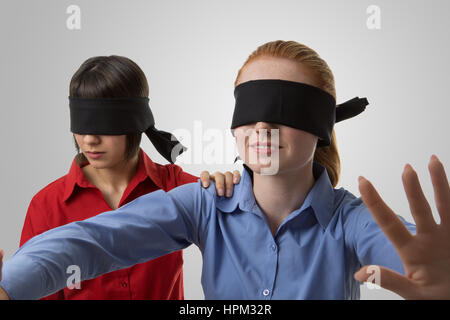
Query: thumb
(387, 279)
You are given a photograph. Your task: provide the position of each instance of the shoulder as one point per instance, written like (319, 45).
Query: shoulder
(350, 207)
(351, 215)
(175, 174)
(357, 216)
(193, 199)
(51, 193)
(348, 200)
(195, 189)
(41, 212)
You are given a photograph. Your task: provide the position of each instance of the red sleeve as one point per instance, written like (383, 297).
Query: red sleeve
(35, 223)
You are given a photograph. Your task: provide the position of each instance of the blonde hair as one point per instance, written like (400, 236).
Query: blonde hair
(327, 156)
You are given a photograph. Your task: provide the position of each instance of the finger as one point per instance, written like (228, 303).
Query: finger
(386, 219)
(229, 184)
(204, 178)
(441, 189)
(236, 176)
(387, 279)
(220, 183)
(418, 204)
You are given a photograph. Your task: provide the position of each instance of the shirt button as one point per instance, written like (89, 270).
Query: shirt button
(274, 247)
(266, 292)
(124, 284)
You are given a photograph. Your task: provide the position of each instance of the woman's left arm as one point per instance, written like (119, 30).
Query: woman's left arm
(425, 255)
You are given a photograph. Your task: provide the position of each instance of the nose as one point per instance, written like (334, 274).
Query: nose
(91, 139)
(264, 126)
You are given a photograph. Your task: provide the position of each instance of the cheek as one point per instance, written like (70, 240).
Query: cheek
(78, 139)
(240, 142)
(240, 136)
(115, 143)
(298, 140)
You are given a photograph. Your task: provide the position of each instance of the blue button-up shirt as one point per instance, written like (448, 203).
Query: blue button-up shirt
(313, 255)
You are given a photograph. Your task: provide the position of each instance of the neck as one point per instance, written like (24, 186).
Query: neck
(115, 178)
(278, 195)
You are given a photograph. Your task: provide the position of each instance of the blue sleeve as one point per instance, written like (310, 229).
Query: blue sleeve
(148, 227)
(371, 245)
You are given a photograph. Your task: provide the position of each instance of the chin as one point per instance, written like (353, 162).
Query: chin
(99, 164)
(264, 169)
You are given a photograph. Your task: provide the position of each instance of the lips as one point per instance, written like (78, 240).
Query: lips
(264, 149)
(266, 145)
(94, 154)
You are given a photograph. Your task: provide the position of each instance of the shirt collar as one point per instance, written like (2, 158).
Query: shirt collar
(320, 198)
(146, 168)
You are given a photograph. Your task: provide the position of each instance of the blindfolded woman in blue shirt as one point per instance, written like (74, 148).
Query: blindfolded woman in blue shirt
(288, 235)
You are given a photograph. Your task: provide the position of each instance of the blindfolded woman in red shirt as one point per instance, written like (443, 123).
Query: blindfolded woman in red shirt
(108, 172)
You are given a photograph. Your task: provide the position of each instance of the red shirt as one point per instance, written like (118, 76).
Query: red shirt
(73, 198)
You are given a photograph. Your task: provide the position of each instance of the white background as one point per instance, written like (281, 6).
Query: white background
(191, 52)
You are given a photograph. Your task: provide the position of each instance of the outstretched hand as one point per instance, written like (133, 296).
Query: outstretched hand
(425, 255)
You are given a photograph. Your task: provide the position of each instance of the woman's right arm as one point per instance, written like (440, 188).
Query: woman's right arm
(148, 227)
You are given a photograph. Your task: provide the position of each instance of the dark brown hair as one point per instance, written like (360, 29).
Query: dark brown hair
(110, 77)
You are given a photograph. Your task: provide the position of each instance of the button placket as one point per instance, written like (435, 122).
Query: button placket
(273, 258)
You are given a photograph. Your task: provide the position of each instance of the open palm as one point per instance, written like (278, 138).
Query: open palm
(425, 255)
